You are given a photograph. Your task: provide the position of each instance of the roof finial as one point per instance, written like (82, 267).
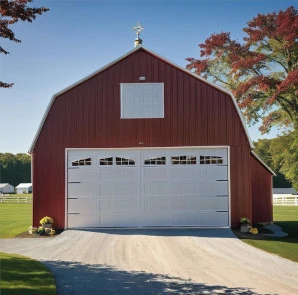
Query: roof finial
(138, 28)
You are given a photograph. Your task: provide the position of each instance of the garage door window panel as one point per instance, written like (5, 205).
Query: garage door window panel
(155, 161)
(211, 160)
(106, 161)
(82, 162)
(184, 160)
(125, 162)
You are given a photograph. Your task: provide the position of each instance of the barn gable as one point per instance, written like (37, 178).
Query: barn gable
(82, 136)
(140, 48)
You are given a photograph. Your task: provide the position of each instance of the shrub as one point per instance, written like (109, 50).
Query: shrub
(47, 219)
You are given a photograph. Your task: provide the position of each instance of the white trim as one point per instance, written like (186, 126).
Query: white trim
(153, 148)
(66, 190)
(117, 60)
(229, 186)
(262, 162)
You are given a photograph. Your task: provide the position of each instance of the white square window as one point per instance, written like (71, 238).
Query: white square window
(142, 100)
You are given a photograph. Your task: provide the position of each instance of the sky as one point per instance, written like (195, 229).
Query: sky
(77, 37)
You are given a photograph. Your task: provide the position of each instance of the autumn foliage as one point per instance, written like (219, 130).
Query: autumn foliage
(10, 13)
(261, 72)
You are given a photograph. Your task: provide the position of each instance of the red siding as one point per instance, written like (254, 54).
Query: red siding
(262, 198)
(88, 116)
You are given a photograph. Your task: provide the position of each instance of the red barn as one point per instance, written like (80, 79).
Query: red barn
(143, 142)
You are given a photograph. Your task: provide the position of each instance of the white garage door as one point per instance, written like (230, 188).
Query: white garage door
(147, 187)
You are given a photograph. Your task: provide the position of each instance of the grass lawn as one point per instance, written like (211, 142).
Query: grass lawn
(22, 275)
(287, 218)
(14, 219)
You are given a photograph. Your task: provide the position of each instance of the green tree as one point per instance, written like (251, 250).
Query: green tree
(262, 72)
(15, 169)
(284, 154)
(271, 153)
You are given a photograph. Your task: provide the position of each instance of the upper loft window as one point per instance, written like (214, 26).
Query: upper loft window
(184, 160)
(142, 100)
(156, 161)
(82, 162)
(211, 160)
(106, 161)
(125, 162)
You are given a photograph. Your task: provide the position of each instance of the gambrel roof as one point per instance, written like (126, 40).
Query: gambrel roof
(165, 60)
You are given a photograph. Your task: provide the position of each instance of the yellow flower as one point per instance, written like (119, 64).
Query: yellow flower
(47, 219)
(253, 230)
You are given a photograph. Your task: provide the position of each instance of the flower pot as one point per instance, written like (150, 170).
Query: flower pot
(244, 228)
(47, 225)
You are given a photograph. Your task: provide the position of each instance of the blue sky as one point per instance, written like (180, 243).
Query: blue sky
(75, 38)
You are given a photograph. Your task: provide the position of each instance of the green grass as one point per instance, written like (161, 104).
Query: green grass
(22, 275)
(14, 219)
(287, 218)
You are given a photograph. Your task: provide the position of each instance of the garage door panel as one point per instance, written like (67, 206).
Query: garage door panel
(222, 203)
(81, 220)
(81, 175)
(117, 189)
(189, 219)
(131, 220)
(183, 173)
(212, 203)
(156, 173)
(156, 220)
(212, 172)
(86, 205)
(159, 188)
(212, 188)
(122, 174)
(86, 189)
(209, 218)
(183, 203)
(183, 189)
(120, 206)
(157, 204)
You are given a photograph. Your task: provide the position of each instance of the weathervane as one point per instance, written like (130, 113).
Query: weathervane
(138, 28)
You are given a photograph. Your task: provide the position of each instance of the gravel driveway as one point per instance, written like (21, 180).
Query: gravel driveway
(163, 261)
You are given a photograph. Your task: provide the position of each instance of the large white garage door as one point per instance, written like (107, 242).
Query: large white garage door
(147, 187)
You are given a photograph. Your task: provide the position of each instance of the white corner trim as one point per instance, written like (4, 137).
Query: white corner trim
(262, 162)
(119, 59)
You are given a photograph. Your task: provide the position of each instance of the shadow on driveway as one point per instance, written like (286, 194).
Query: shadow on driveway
(80, 279)
(168, 232)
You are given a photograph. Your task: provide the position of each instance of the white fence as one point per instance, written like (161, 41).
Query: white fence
(285, 200)
(15, 200)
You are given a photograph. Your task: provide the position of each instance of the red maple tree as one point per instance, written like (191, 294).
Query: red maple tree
(261, 72)
(10, 13)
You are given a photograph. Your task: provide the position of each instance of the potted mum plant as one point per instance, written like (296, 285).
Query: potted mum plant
(47, 222)
(244, 225)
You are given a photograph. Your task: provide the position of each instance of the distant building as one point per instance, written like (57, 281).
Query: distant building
(284, 191)
(24, 188)
(6, 188)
